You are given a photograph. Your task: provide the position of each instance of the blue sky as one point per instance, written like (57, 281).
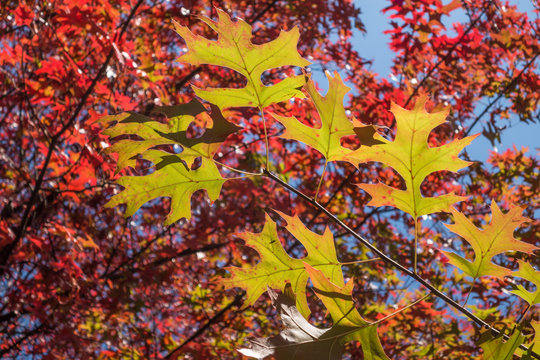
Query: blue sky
(374, 45)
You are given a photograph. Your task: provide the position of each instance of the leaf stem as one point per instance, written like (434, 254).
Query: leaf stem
(266, 142)
(416, 230)
(401, 310)
(522, 316)
(469, 292)
(359, 261)
(393, 262)
(321, 180)
(236, 170)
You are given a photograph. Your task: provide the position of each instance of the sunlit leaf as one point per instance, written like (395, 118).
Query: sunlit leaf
(171, 178)
(410, 155)
(496, 238)
(276, 268)
(150, 133)
(233, 49)
(300, 340)
(527, 272)
(496, 348)
(334, 122)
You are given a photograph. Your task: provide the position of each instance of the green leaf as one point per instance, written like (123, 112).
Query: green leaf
(334, 122)
(233, 49)
(496, 348)
(496, 238)
(410, 155)
(348, 323)
(171, 178)
(300, 340)
(276, 268)
(527, 272)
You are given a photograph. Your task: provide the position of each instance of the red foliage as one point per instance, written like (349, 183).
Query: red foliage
(80, 281)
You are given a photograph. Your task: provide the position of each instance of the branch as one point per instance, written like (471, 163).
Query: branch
(502, 93)
(443, 60)
(175, 353)
(391, 261)
(115, 274)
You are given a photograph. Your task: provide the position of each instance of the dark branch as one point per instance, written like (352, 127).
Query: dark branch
(176, 352)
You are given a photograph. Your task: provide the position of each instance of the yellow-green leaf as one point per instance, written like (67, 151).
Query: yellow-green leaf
(276, 268)
(496, 348)
(233, 49)
(410, 155)
(533, 346)
(171, 178)
(334, 121)
(348, 322)
(527, 272)
(496, 238)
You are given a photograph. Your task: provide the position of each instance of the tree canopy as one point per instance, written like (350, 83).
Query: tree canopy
(175, 183)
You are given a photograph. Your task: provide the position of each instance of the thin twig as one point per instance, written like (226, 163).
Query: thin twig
(401, 310)
(501, 94)
(176, 351)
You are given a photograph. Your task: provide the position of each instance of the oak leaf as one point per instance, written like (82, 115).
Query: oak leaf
(496, 238)
(334, 122)
(497, 348)
(276, 268)
(233, 49)
(171, 178)
(151, 133)
(410, 155)
(347, 320)
(300, 340)
(527, 272)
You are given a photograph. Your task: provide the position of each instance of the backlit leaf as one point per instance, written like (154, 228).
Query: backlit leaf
(233, 49)
(410, 155)
(496, 238)
(276, 268)
(171, 178)
(347, 320)
(151, 133)
(496, 348)
(300, 340)
(334, 122)
(527, 272)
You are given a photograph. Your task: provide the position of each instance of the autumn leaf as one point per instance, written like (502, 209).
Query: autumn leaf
(527, 272)
(410, 155)
(276, 268)
(496, 238)
(496, 348)
(233, 49)
(151, 133)
(347, 321)
(171, 178)
(334, 122)
(300, 340)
